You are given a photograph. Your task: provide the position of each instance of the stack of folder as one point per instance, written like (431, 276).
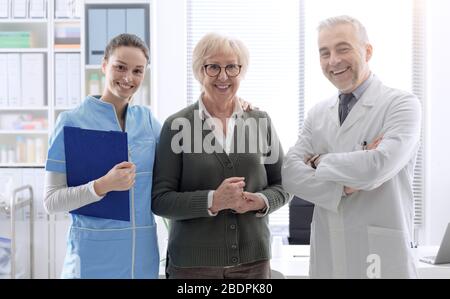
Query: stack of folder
(16, 39)
(67, 36)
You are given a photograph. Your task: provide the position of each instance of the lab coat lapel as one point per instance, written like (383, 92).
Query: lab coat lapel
(362, 106)
(333, 112)
(354, 116)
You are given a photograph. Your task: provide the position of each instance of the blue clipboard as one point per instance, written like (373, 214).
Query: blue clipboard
(90, 154)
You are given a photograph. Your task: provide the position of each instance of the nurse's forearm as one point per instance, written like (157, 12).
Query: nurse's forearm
(60, 198)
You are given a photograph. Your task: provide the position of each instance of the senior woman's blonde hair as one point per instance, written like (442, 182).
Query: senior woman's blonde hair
(214, 43)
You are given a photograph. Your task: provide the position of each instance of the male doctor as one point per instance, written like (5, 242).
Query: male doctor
(354, 160)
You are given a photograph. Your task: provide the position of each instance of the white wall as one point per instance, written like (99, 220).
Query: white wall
(438, 200)
(169, 42)
(170, 81)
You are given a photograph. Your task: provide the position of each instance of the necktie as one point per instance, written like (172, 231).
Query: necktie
(344, 100)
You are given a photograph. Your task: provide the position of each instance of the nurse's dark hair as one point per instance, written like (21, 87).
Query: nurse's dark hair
(126, 40)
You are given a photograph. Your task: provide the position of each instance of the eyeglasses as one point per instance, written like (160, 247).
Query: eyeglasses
(213, 70)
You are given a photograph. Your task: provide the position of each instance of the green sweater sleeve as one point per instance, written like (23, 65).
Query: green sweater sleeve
(167, 201)
(274, 192)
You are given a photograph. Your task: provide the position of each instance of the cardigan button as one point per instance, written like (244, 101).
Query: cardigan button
(234, 259)
(234, 246)
(233, 226)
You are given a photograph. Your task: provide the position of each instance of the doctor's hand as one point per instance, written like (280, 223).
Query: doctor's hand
(375, 143)
(349, 190)
(228, 194)
(246, 106)
(313, 161)
(372, 146)
(120, 178)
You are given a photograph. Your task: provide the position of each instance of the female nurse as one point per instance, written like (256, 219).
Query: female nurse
(97, 247)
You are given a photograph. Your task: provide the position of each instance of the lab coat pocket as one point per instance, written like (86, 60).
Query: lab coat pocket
(389, 254)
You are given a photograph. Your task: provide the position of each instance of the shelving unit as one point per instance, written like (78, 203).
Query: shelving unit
(22, 125)
(45, 33)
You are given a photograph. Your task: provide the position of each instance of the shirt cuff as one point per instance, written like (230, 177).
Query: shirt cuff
(210, 202)
(265, 211)
(92, 190)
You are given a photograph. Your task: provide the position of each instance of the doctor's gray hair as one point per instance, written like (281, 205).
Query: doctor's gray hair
(214, 43)
(126, 40)
(344, 19)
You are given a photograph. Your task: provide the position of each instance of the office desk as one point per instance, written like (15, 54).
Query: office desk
(293, 262)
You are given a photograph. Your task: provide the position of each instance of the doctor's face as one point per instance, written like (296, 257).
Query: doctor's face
(124, 72)
(343, 57)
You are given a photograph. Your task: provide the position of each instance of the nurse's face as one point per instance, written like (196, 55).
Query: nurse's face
(124, 72)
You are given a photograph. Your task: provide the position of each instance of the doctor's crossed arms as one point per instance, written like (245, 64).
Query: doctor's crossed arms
(354, 160)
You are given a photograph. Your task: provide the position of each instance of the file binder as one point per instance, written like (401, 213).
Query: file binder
(97, 35)
(61, 80)
(116, 22)
(32, 76)
(90, 154)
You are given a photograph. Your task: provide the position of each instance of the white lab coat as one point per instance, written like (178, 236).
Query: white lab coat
(366, 234)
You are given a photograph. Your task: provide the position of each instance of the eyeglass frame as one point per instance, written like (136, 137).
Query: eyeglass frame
(222, 67)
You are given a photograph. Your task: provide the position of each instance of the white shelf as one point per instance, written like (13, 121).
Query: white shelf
(23, 50)
(67, 50)
(44, 21)
(93, 66)
(67, 20)
(22, 165)
(60, 108)
(23, 132)
(45, 108)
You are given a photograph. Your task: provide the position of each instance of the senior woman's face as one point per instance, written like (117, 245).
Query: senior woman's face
(221, 87)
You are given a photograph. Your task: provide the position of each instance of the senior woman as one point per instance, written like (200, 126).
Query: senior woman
(213, 179)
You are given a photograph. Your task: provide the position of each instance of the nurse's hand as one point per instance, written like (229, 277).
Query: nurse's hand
(120, 178)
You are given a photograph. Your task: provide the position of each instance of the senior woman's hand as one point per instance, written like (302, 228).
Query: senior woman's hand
(249, 202)
(228, 194)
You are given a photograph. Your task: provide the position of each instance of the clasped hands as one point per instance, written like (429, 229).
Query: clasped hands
(314, 161)
(231, 195)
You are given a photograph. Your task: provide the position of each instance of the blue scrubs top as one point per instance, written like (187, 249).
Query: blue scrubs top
(106, 248)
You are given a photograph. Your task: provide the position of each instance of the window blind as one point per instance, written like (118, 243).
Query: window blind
(271, 30)
(419, 89)
(284, 76)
